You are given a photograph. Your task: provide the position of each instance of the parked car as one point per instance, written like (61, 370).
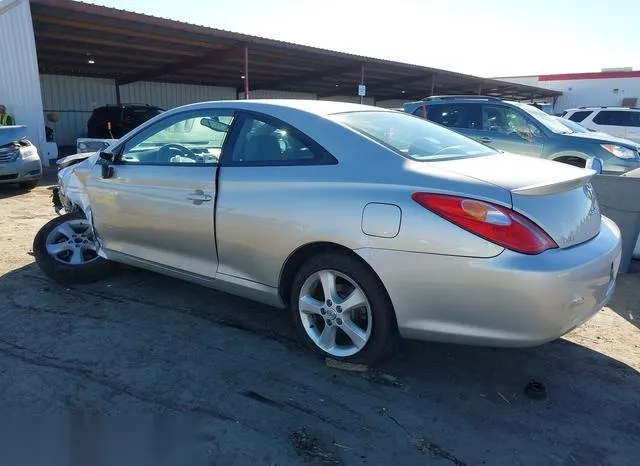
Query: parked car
(114, 121)
(85, 145)
(365, 222)
(524, 129)
(578, 128)
(19, 159)
(622, 122)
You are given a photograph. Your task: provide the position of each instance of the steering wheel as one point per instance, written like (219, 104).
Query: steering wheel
(167, 149)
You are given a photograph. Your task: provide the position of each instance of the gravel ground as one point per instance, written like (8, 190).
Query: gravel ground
(141, 344)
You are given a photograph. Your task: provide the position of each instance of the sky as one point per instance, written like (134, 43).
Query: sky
(488, 38)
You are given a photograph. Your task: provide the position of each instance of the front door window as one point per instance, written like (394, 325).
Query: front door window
(186, 139)
(507, 121)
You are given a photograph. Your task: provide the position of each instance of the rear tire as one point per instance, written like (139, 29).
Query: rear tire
(28, 185)
(65, 251)
(354, 321)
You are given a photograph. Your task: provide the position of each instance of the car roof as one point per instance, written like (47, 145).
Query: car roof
(603, 107)
(317, 107)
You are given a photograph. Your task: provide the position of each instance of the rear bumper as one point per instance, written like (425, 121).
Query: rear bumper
(508, 300)
(28, 169)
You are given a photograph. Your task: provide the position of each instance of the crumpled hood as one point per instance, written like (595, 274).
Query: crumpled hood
(605, 139)
(9, 134)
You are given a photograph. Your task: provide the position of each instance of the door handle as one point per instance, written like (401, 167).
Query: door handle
(199, 197)
(485, 139)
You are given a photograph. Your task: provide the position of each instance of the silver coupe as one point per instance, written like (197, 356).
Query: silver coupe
(367, 223)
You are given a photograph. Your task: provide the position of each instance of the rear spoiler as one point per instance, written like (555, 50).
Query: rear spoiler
(555, 186)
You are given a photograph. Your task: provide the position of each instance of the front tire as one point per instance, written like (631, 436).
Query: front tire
(65, 249)
(341, 309)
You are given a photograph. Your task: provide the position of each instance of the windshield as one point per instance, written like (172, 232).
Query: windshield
(572, 125)
(411, 136)
(549, 121)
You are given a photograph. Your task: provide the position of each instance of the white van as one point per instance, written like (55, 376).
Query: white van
(622, 122)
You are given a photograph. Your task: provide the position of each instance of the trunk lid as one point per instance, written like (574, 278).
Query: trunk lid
(557, 197)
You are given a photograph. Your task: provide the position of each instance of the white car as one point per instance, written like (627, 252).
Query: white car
(19, 159)
(622, 122)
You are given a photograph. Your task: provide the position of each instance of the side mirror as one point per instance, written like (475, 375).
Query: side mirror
(106, 159)
(595, 163)
(107, 156)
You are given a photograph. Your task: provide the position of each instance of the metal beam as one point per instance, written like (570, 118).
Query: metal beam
(246, 72)
(84, 40)
(389, 84)
(74, 24)
(362, 81)
(214, 56)
(274, 84)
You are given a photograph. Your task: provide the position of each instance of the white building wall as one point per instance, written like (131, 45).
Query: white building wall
(168, 95)
(267, 94)
(585, 92)
(68, 102)
(352, 99)
(526, 80)
(392, 103)
(19, 78)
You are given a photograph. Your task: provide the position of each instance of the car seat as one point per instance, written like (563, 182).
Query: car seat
(262, 148)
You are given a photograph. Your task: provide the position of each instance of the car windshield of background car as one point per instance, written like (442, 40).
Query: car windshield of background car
(411, 136)
(544, 118)
(572, 125)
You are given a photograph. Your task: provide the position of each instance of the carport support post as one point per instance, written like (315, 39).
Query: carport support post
(480, 89)
(362, 80)
(433, 84)
(246, 71)
(118, 99)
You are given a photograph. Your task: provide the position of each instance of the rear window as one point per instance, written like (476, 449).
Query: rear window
(468, 116)
(579, 116)
(411, 136)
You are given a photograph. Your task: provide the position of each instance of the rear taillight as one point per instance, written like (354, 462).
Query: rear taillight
(499, 225)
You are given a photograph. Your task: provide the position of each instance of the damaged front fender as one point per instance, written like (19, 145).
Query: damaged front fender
(71, 192)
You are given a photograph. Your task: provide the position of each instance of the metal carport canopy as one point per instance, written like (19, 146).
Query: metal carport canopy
(80, 39)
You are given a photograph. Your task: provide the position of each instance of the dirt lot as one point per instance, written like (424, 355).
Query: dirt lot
(142, 343)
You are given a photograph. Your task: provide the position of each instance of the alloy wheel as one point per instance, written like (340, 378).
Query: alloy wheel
(335, 313)
(72, 243)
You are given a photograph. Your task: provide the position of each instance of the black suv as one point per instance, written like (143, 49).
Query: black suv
(114, 121)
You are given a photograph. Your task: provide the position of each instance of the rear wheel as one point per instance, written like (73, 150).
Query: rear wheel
(342, 310)
(65, 249)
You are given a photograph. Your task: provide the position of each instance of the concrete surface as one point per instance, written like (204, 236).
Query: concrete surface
(141, 344)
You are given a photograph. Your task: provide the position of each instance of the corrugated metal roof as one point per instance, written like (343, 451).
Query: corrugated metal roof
(131, 46)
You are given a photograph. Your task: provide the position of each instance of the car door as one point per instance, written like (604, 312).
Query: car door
(259, 218)
(614, 122)
(633, 128)
(157, 205)
(511, 130)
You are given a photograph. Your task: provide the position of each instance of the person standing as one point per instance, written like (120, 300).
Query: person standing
(5, 118)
